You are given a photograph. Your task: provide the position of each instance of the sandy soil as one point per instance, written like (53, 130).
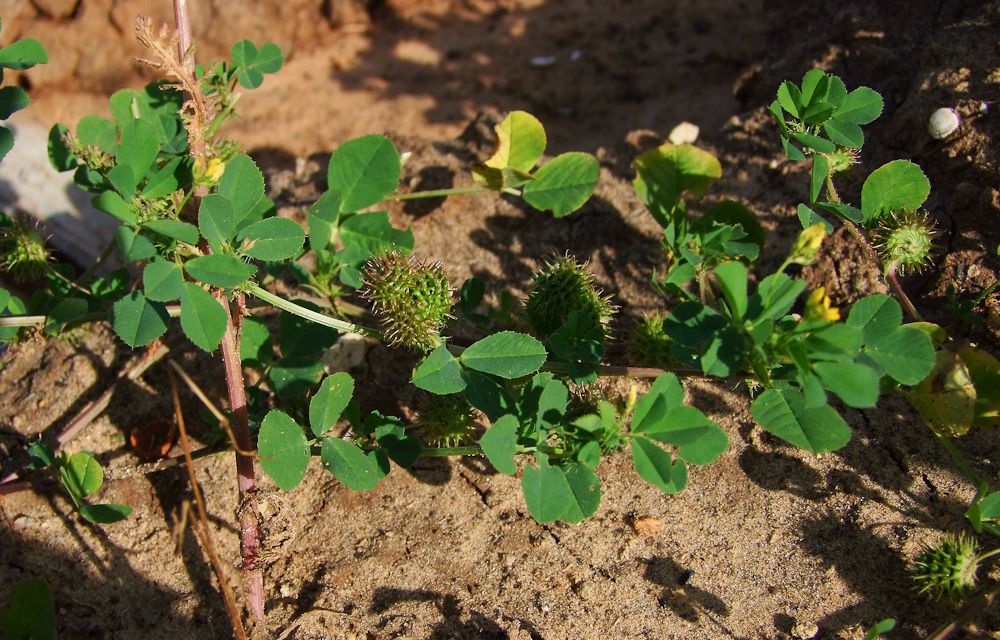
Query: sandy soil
(781, 543)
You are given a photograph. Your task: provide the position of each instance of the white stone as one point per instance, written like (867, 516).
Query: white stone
(943, 123)
(684, 133)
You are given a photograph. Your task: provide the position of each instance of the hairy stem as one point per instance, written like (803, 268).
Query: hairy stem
(246, 479)
(890, 274)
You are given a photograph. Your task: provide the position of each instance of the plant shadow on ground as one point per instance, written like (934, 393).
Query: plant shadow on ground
(457, 623)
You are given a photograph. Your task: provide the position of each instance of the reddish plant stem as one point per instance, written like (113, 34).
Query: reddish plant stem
(247, 481)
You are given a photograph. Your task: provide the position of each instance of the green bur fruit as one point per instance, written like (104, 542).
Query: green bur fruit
(648, 346)
(560, 288)
(903, 240)
(412, 299)
(448, 421)
(948, 570)
(22, 251)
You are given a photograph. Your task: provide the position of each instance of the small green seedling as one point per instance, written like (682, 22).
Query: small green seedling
(82, 476)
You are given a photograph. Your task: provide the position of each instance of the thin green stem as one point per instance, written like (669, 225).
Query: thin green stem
(443, 193)
(470, 450)
(960, 461)
(101, 259)
(173, 310)
(309, 314)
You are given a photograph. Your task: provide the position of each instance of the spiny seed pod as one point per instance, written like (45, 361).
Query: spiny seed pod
(22, 251)
(412, 299)
(561, 287)
(903, 240)
(448, 421)
(948, 570)
(842, 159)
(648, 346)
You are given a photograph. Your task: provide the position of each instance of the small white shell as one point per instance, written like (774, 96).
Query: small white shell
(943, 123)
(684, 133)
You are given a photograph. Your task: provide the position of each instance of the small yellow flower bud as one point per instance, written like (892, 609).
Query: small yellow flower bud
(807, 244)
(818, 307)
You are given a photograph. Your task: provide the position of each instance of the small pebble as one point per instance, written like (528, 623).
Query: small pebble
(684, 133)
(805, 630)
(943, 123)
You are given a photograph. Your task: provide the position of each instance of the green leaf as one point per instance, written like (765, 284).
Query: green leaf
(273, 239)
(732, 277)
(506, 354)
(41, 455)
(861, 106)
(162, 280)
(243, 53)
(365, 170)
(111, 202)
(855, 384)
(844, 133)
(699, 440)
(283, 450)
(546, 490)
(666, 393)
(552, 405)
(322, 219)
(881, 627)
(735, 213)
(790, 99)
(665, 173)
(655, 466)
(520, 142)
(137, 320)
(133, 245)
(784, 413)
(6, 142)
(256, 348)
(815, 84)
(203, 318)
(12, 100)
(218, 270)
(439, 373)
(808, 217)
(499, 443)
(820, 172)
(31, 613)
(897, 185)
(294, 376)
(404, 450)
(585, 489)
(487, 395)
(23, 54)
(876, 316)
(98, 131)
(375, 234)
(60, 156)
(563, 184)
(349, 464)
(269, 58)
(139, 146)
(242, 184)
(167, 179)
(330, 401)
(300, 337)
(844, 211)
(105, 513)
(216, 219)
(63, 313)
(706, 336)
(774, 297)
(175, 229)
(123, 179)
(82, 475)
(906, 353)
(815, 143)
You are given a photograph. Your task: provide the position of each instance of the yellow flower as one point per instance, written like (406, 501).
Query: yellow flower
(213, 173)
(807, 244)
(818, 307)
